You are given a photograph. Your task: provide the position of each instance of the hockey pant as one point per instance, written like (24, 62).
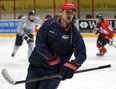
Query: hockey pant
(101, 42)
(46, 84)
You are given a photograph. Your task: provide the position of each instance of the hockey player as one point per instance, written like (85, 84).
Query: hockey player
(56, 41)
(25, 31)
(106, 34)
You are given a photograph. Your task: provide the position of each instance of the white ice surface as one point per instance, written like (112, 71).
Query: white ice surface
(98, 79)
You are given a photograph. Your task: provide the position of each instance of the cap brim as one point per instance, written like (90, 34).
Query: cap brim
(70, 8)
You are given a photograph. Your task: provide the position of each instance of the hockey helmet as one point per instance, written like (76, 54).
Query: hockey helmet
(99, 16)
(32, 12)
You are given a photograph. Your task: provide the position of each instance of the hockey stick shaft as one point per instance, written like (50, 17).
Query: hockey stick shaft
(29, 45)
(11, 81)
(114, 45)
(38, 79)
(95, 68)
(59, 76)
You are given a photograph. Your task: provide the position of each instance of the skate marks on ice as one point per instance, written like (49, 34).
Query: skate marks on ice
(99, 79)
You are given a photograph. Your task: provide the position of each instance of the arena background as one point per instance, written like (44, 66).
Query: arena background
(86, 12)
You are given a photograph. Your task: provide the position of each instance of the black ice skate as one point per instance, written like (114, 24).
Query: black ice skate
(101, 53)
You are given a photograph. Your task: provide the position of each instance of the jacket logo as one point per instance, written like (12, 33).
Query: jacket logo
(65, 37)
(51, 31)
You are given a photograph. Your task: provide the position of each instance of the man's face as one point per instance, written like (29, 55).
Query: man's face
(99, 20)
(67, 15)
(31, 17)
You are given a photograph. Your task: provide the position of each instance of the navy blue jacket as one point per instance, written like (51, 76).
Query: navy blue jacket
(53, 39)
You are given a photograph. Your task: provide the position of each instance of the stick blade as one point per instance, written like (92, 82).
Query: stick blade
(7, 77)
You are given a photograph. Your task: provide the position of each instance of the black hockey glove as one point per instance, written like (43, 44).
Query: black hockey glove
(26, 37)
(54, 60)
(68, 69)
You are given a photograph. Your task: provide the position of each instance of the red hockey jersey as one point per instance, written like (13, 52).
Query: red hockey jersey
(105, 30)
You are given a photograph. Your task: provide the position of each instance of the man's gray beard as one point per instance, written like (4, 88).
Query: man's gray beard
(69, 19)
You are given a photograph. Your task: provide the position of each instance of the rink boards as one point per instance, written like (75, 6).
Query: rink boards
(85, 26)
(83, 34)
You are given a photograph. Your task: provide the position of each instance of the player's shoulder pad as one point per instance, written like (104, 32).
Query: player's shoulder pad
(36, 17)
(24, 17)
(106, 22)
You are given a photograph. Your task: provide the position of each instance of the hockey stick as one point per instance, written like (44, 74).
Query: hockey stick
(114, 45)
(13, 82)
(29, 45)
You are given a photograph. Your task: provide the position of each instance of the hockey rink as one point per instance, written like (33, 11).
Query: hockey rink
(98, 79)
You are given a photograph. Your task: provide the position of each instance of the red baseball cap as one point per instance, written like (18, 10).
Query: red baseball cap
(68, 5)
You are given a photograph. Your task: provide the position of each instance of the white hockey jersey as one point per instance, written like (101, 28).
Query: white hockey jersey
(26, 26)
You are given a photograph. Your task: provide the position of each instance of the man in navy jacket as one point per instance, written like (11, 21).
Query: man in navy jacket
(56, 41)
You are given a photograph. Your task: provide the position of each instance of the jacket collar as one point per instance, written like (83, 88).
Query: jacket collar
(66, 28)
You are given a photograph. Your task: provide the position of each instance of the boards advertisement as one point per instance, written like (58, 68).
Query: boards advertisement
(88, 25)
(84, 25)
(8, 26)
(8, 6)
